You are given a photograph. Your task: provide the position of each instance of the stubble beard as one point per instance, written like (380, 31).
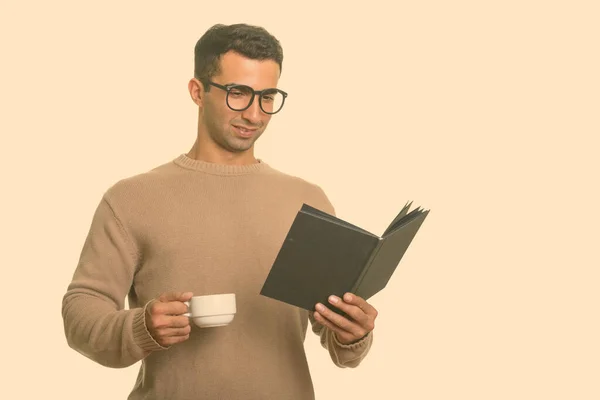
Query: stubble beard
(226, 139)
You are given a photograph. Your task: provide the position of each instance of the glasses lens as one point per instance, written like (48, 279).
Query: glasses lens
(271, 101)
(239, 97)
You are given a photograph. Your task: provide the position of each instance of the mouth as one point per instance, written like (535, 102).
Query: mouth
(243, 131)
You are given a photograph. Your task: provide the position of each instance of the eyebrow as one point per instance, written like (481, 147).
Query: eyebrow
(238, 84)
(243, 84)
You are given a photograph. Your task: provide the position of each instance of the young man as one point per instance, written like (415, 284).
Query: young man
(210, 221)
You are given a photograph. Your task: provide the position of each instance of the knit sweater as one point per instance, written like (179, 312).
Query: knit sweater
(190, 225)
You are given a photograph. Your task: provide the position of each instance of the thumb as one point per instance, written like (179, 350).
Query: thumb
(175, 296)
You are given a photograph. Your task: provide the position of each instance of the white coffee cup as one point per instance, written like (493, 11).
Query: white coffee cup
(212, 310)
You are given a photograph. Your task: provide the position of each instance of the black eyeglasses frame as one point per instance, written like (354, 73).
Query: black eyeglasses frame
(230, 87)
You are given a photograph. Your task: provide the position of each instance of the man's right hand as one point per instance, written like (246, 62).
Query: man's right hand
(164, 320)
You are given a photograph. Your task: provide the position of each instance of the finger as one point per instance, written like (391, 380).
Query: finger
(171, 340)
(341, 335)
(175, 296)
(170, 332)
(327, 323)
(361, 303)
(339, 321)
(168, 308)
(167, 321)
(353, 311)
(177, 321)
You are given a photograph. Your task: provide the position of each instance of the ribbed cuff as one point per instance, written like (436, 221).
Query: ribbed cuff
(364, 341)
(141, 335)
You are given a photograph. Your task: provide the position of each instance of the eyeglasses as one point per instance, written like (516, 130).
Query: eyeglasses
(241, 97)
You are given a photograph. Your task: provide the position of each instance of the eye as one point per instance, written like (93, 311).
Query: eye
(270, 96)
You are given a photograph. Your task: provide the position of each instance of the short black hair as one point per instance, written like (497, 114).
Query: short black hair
(250, 41)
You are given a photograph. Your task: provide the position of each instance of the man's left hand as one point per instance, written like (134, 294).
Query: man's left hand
(361, 319)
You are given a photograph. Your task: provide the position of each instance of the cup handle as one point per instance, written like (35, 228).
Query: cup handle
(187, 314)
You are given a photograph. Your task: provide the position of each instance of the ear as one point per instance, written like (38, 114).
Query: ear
(196, 90)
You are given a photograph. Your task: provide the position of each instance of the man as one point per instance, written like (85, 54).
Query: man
(210, 221)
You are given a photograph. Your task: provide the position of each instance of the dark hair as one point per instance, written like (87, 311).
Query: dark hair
(247, 40)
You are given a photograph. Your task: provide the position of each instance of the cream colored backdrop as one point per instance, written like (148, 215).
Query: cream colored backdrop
(485, 112)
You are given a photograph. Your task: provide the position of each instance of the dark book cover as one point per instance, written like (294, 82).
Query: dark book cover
(324, 255)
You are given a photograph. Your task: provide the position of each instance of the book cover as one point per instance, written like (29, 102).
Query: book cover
(324, 255)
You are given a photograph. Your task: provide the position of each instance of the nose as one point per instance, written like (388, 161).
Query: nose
(253, 113)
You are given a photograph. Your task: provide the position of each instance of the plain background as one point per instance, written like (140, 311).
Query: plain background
(487, 113)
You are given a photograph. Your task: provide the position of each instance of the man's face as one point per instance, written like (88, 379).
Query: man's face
(236, 131)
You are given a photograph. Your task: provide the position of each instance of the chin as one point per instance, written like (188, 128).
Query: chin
(238, 145)
(242, 144)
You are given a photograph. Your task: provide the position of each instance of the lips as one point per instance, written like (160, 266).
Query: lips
(243, 131)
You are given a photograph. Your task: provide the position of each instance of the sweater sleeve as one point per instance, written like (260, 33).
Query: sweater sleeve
(95, 321)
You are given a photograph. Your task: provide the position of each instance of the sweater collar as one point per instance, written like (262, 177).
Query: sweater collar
(187, 162)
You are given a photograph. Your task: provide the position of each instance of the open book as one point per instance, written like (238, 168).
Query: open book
(324, 255)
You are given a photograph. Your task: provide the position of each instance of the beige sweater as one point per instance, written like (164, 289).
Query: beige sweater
(189, 225)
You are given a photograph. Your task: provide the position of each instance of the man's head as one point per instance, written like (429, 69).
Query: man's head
(231, 119)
